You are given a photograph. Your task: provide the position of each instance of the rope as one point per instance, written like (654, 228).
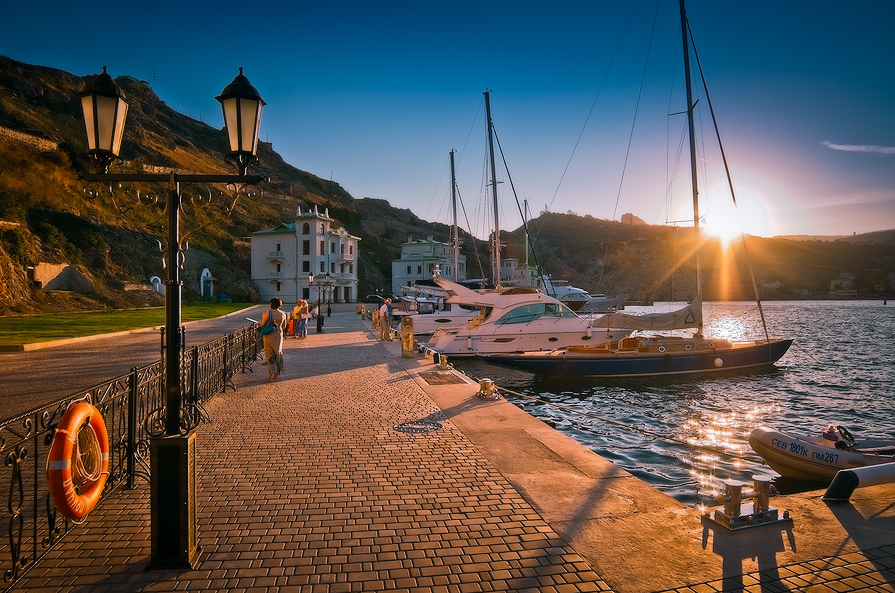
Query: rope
(86, 457)
(630, 428)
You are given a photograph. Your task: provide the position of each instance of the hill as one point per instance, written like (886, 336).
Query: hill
(113, 244)
(637, 260)
(45, 216)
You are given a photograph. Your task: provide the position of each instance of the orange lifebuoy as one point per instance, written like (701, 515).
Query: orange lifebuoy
(65, 453)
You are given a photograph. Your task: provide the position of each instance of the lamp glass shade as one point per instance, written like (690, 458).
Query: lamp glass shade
(241, 105)
(104, 117)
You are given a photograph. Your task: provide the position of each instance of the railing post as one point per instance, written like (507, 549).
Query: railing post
(132, 429)
(194, 380)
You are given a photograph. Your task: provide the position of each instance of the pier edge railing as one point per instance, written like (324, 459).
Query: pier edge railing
(29, 523)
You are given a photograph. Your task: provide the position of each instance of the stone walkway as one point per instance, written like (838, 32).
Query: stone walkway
(305, 485)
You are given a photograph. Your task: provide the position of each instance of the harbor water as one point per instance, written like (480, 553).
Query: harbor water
(686, 434)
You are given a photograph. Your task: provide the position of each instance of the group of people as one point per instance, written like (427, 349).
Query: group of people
(299, 322)
(295, 323)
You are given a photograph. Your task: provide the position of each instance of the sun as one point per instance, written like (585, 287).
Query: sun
(728, 222)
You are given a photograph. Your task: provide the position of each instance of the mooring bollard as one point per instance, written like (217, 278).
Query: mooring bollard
(374, 315)
(407, 337)
(733, 497)
(486, 389)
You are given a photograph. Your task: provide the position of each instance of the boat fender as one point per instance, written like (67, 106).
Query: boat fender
(719, 363)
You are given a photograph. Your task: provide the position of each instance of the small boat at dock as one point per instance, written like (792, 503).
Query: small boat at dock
(818, 458)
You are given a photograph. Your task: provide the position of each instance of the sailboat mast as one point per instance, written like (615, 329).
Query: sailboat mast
(525, 220)
(692, 132)
(456, 236)
(496, 245)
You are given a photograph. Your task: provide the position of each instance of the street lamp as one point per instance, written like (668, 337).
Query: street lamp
(321, 296)
(173, 480)
(329, 309)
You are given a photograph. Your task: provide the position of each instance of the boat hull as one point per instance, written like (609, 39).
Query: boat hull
(815, 460)
(617, 363)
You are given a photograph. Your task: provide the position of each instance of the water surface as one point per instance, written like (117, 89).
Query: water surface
(686, 434)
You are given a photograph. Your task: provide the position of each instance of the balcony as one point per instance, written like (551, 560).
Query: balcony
(276, 255)
(275, 275)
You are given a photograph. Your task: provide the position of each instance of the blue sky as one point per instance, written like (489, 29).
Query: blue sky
(375, 95)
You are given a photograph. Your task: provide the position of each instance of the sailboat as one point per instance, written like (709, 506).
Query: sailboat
(654, 354)
(516, 320)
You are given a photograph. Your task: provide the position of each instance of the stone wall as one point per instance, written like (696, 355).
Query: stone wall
(62, 277)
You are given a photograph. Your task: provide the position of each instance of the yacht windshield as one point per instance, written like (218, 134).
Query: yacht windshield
(527, 313)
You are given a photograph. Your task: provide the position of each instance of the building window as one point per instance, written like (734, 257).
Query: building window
(305, 266)
(351, 250)
(279, 286)
(332, 267)
(431, 268)
(332, 247)
(408, 269)
(341, 248)
(306, 293)
(351, 268)
(278, 266)
(321, 252)
(322, 267)
(419, 269)
(306, 247)
(305, 229)
(278, 246)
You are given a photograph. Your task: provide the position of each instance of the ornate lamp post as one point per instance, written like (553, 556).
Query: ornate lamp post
(173, 481)
(321, 296)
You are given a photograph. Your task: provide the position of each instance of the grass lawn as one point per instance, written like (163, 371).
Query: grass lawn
(59, 326)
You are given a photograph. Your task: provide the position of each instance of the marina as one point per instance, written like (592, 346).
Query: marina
(686, 434)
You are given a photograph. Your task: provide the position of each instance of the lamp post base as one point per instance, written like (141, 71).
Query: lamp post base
(173, 501)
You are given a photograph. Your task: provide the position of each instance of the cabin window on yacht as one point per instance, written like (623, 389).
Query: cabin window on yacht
(527, 313)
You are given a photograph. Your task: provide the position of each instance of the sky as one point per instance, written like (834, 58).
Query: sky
(586, 99)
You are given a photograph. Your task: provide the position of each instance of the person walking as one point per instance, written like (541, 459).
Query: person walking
(273, 340)
(385, 334)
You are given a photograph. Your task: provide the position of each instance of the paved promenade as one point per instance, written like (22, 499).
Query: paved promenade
(306, 485)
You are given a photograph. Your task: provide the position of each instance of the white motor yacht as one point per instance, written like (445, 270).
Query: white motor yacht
(515, 322)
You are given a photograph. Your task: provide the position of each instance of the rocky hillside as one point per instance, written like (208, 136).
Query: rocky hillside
(45, 216)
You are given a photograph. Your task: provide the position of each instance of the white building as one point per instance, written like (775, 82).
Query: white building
(285, 256)
(419, 260)
(512, 274)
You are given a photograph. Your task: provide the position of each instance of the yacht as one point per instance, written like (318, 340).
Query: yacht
(513, 321)
(579, 300)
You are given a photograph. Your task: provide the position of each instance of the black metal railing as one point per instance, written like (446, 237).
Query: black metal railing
(130, 404)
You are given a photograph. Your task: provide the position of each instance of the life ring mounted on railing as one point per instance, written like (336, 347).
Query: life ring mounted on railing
(78, 463)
